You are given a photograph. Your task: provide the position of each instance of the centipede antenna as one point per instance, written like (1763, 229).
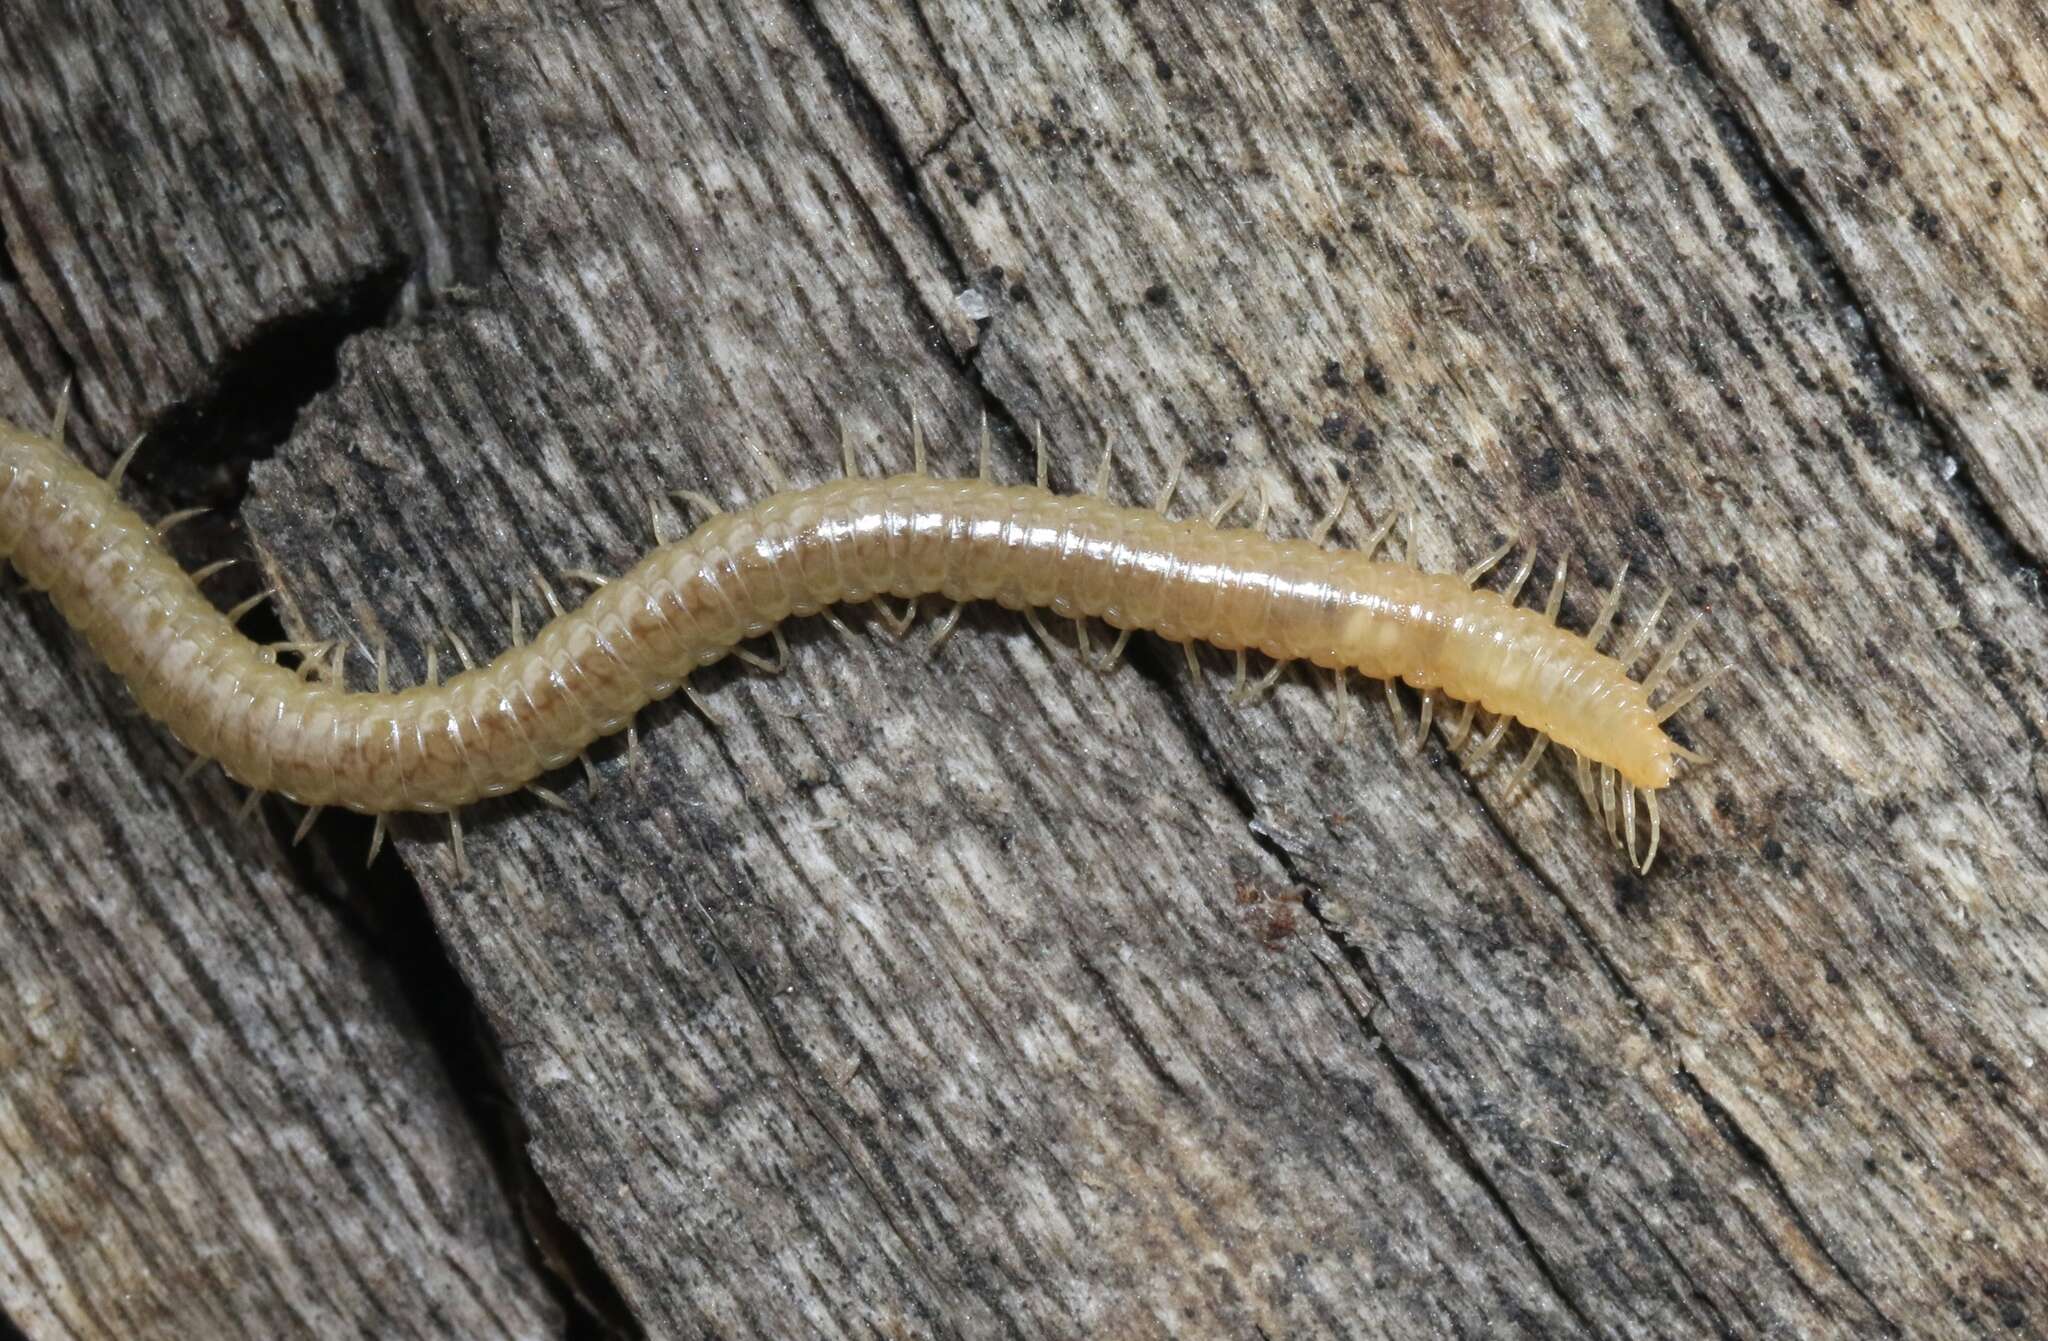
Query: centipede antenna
(242, 608)
(247, 810)
(846, 446)
(917, 459)
(1608, 606)
(1650, 803)
(455, 840)
(1690, 756)
(1555, 602)
(1487, 564)
(1513, 592)
(1044, 464)
(306, 823)
(586, 576)
(1194, 665)
(777, 480)
(550, 798)
(1527, 766)
(178, 518)
(1099, 485)
(376, 842)
(192, 767)
(704, 503)
(120, 468)
(984, 447)
(1320, 532)
(1229, 504)
(1165, 499)
(1670, 653)
(61, 414)
(1634, 648)
(899, 625)
(218, 565)
(1463, 730)
(547, 593)
(944, 630)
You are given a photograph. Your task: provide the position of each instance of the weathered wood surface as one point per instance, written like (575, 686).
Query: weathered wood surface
(953, 995)
(1915, 140)
(218, 1114)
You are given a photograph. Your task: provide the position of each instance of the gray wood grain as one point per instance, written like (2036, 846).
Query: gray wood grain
(218, 1115)
(968, 993)
(1915, 139)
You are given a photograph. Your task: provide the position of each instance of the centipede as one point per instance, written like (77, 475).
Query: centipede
(280, 718)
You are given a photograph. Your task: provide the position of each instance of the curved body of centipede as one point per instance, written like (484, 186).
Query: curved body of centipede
(497, 727)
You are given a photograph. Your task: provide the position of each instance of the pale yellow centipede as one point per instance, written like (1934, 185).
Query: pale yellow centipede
(495, 728)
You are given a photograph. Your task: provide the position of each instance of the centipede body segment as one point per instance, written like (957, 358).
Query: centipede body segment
(495, 727)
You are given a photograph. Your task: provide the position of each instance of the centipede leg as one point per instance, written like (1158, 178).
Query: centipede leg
(191, 769)
(1320, 532)
(1491, 741)
(898, 625)
(1650, 803)
(119, 471)
(306, 823)
(1229, 503)
(1608, 606)
(703, 705)
(1165, 499)
(376, 841)
(550, 798)
(234, 615)
(1670, 653)
(846, 445)
(547, 593)
(704, 503)
(455, 841)
(61, 414)
(1099, 486)
(249, 806)
(1513, 591)
(1463, 730)
(1635, 645)
(1194, 665)
(587, 577)
(1607, 798)
(176, 519)
(1402, 736)
(982, 472)
(776, 666)
(1038, 627)
(1340, 688)
(1422, 731)
(944, 629)
(1628, 822)
(917, 454)
(1044, 462)
(1107, 662)
(777, 480)
(832, 617)
(1555, 601)
(1527, 766)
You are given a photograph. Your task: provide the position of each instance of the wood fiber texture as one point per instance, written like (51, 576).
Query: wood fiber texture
(218, 1113)
(971, 994)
